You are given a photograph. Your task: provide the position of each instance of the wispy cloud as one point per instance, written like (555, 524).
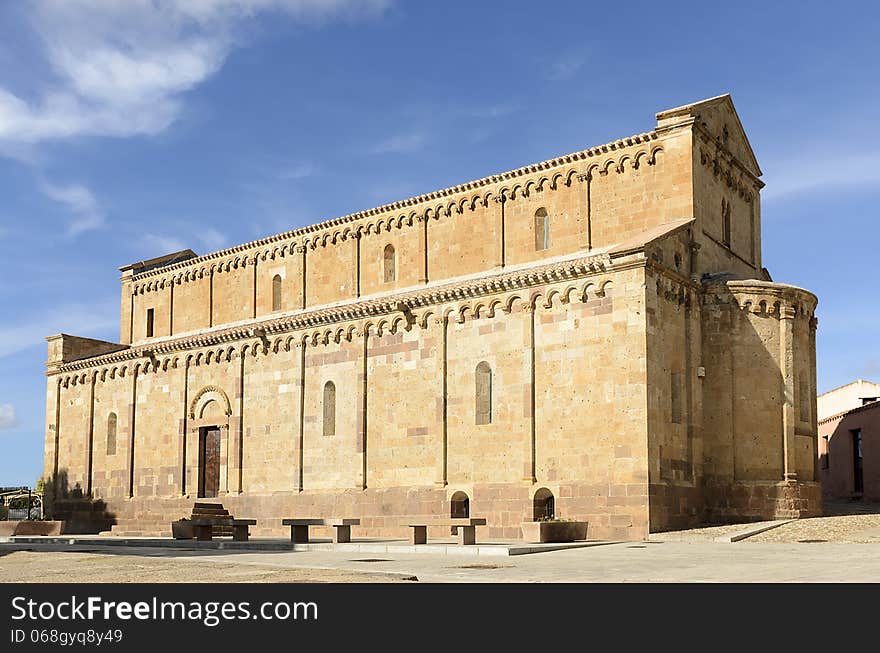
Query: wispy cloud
(158, 245)
(296, 171)
(809, 173)
(8, 417)
(400, 143)
(121, 68)
(564, 67)
(80, 201)
(871, 368)
(491, 111)
(86, 319)
(212, 239)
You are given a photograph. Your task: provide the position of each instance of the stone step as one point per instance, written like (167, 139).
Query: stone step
(166, 533)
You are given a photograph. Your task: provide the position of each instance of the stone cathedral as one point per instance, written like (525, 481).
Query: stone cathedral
(593, 335)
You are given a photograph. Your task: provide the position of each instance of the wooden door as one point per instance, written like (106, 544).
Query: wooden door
(209, 462)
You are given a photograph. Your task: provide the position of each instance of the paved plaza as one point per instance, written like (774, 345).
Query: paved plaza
(643, 562)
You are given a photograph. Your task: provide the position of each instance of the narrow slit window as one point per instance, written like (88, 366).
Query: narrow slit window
(725, 222)
(676, 397)
(804, 398)
(483, 393)
(542, 229)
(276, 292)
(150, 318)
(389, 264)
(111, 435)
(329, 408)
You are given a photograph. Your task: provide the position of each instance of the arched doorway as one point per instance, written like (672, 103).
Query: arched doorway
(209, 450)
(459, 508)
(543, 505)
(459, 505)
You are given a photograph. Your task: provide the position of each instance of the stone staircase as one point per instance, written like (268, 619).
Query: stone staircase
(160, 526)
(215, 511)
(140, 528)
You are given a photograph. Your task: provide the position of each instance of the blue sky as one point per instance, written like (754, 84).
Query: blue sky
(132, 129)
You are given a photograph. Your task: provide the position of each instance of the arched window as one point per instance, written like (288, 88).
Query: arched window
(725, 222)
(544, 505)
(459, 506)
(111, 435)
(276, 292)
(542, 229)
(483, 393)
(804, 398)
(390, 264)
(329, 408)
(675, 398)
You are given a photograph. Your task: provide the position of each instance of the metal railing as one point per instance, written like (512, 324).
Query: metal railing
(22, 504)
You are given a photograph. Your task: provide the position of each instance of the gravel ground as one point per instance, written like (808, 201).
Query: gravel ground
(844, 522)
(704, 534)
(843, 528)
(57, 567)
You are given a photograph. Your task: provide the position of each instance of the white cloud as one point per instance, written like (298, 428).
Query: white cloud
(158, 245)
(492, 111)
(212, 239)
(80, 201)
(79, 319)
(8, 418)
(400, 143)
(297, 171)
(812, 172)
(120, 68)
(565, 67)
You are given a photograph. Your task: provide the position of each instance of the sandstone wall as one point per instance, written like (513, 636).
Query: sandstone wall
(578, 347)
(758, 342)
(593, 199)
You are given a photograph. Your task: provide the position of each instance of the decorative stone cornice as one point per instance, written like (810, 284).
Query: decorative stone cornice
(781, 300)
(723, 156)
(405, 303)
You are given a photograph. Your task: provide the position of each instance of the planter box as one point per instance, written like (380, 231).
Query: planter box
(182, 530)
(554, 531)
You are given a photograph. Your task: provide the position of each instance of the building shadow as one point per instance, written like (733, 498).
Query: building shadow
(81, 513)
(845, 507)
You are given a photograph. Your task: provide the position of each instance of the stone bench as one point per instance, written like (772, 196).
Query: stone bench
(466, 527)
(203, 528)
(299, 528)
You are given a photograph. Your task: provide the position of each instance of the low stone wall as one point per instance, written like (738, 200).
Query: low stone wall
(29, 527)
(759, 501)
(677, 507)
(610, 512)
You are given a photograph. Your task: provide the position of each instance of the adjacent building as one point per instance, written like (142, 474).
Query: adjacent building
(849, 441)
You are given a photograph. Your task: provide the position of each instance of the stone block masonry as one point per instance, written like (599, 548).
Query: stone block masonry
(597, 325)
